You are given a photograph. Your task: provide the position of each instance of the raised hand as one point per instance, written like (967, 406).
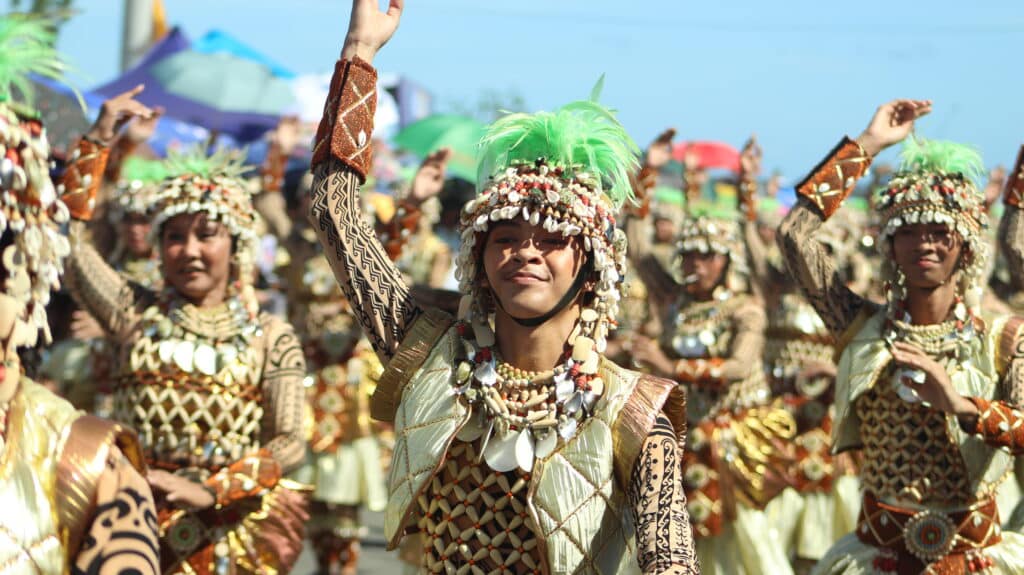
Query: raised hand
(369, 28)
(286, 135)
(660, 151)
(140, 130)
(994, 187)
(429, 179)
(893, 121)
(115, 113)
(750, 157)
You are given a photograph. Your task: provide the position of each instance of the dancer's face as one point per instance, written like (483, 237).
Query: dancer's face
(528, 269)
(196, 258)
(135, 233)
(706, 271)
(927, 254)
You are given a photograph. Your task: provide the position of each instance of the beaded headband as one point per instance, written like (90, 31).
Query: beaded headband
(935, 185)
(137, 190)
(198, 183)
(566, 171)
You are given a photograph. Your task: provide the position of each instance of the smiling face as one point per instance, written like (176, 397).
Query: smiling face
(528, 269)
(195, 255)
(927, 254)
(705, 271)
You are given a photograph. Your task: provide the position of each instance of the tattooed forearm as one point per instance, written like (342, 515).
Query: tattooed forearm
(664, 539)
(811, 266)
(285, 396)
(122, 539)
(378, 294)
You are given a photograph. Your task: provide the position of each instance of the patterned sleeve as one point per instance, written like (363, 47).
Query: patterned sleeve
(664, 537)
(99, 289)
(341, 160)
(122, 537)
(1011, 226)
(809, 263)
(285, 396)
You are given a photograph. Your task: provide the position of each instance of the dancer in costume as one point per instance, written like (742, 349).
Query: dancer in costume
(345, 468)
(928, 383)
(519, 448)
(73, 495)
(711, 343)
(821, 506)
(213, 386)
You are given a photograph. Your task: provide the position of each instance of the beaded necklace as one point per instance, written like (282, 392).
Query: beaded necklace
(945, 342)
(520, 415)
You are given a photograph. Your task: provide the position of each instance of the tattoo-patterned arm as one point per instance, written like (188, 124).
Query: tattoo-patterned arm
(1011, 226)
(664, 537)
(284, 394)
(341, 160)
(123, 535)
(809, 263)
(99, 289)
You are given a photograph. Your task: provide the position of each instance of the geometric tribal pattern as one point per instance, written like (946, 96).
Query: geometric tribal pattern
(908, 453)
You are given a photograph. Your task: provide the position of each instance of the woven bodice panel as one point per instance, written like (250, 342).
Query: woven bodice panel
(474, 519)
(908, 453)
(187, 416)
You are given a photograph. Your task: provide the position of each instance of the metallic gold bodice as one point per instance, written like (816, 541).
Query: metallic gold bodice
(908, 453)
(706, 330)
(190, 388)
(37, 429)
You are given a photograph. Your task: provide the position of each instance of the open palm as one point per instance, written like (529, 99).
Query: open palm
(369, 28)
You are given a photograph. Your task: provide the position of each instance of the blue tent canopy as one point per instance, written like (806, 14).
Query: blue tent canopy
(241, 126)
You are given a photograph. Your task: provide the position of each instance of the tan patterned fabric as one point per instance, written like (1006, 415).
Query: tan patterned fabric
(478, 516)
(908, 454)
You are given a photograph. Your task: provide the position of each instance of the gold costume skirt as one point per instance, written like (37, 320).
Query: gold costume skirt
(262, 535)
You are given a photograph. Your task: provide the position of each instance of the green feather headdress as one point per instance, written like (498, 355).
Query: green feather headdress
(27, 47)
(194, 161)
(920, 155)
(136, 169)
(584, 137)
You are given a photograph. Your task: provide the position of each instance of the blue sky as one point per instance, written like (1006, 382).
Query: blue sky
(798, 73)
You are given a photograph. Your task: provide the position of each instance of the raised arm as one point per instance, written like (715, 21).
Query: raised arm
(821, 194)
(1011, 226)
(104, 293)
(750, 167)
(661, 286)
(341, 159)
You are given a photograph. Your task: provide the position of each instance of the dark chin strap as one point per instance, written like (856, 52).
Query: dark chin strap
(568, 298)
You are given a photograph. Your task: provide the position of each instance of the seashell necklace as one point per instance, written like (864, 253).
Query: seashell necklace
(521, 416)
(201, 341)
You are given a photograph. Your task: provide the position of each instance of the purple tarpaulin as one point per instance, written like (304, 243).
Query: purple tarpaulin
(243, 127)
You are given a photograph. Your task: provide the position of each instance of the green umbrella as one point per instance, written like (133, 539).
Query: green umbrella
(458, 133)
(224, 82)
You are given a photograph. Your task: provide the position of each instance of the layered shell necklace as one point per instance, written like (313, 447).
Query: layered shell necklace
(521, 416)
(201, 341)
(948, 343)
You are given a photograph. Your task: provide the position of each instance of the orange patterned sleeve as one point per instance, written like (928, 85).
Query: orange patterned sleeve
(83, 178)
